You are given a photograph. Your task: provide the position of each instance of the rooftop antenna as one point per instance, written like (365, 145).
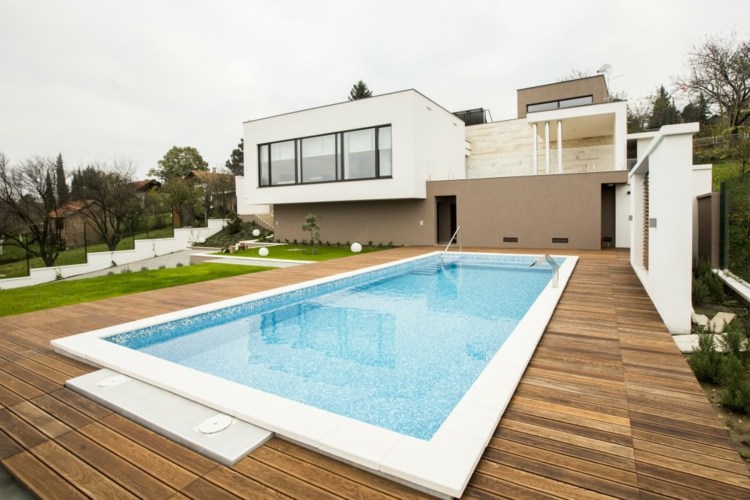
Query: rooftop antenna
(606, 70)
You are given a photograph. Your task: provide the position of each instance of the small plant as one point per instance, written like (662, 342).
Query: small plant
(734, 340)
(180, 264)
(311, 225)
(113, 264)
(234, 223)
(369, 243)
(700, 292)
(286, 240)
(125, 271)
(144, 268)
(294, 241)
(737, 394)
(162, 266)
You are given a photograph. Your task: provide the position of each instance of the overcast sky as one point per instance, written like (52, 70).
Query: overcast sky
(97, 80)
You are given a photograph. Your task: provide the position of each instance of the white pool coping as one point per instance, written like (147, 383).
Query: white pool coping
(442, 465)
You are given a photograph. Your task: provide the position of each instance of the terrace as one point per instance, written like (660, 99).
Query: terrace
(607, 407)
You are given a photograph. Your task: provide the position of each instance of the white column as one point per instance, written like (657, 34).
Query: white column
(535, 151)
(559, 147)
(546, 148)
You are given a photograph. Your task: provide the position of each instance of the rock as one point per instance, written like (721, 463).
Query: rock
(719, 322)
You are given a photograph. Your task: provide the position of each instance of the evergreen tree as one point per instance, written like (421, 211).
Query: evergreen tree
(63, 193)
(696, 111)
(236, 161)
(663, 111)
(359, 91)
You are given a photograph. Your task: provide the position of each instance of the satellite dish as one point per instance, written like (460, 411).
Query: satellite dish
(606, 69)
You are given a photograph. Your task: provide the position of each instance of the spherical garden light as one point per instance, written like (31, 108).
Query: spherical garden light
(263, 252)
(356, 247)
(256, 232)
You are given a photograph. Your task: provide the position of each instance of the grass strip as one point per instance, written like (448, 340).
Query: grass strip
(302, 252)
(63, 293)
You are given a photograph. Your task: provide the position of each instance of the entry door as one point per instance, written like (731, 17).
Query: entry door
(446, 218)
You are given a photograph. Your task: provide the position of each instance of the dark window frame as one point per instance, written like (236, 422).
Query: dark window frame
(339, 160)
(559, 103)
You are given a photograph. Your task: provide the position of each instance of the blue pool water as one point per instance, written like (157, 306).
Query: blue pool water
(396, 348)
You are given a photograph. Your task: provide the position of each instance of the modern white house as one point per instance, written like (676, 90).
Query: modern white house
(399, 168)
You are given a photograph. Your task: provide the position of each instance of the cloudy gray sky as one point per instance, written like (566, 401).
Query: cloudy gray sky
(98, 79)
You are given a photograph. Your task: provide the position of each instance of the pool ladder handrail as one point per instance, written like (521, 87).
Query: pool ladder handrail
(553, 263)
(460, 245)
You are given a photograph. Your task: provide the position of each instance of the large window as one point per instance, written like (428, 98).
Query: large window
(342, 156)
(319, 158)
(283, 160)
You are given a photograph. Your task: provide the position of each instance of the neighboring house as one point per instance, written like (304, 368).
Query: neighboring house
(72, 219)
(144, 186)
(219, 191)
(400, 168)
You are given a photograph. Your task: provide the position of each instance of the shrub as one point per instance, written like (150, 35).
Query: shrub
(162, 266)
(700, 292)
(706, 283)
(737, 394)
(144, 268)
(706, 360)
(179, 264)
(734, 340)
(234, 223)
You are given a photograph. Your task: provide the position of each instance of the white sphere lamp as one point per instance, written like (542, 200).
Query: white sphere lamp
(263, 252)
(201, 239)
(256, 232)
(356, 247)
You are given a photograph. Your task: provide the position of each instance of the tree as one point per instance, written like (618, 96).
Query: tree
(639, 111)
(178, 163)
(109, 201)
(236, 161)
(63, 193)
(27, 193)
(720, 71)
(696, 111)
(184, 198)
(359, 91)
(663, 111)
(311, 224)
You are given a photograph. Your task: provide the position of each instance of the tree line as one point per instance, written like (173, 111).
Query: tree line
(36, 198)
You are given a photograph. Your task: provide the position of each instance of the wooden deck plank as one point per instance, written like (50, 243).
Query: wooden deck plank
(607, 407)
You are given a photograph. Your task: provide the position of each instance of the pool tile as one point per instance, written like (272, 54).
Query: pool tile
(496, 388)
(295, 421)
(472, 419)
(443, 464)
(358, 442)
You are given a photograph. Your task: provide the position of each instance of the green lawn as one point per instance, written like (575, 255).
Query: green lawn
(724, 170)
(302, 252)
(62, 293)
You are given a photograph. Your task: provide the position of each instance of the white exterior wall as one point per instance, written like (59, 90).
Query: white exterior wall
(244, 206)
(427, 143)
(668, 161)
(98, 261)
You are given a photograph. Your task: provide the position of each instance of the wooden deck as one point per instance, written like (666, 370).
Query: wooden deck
(607, 407)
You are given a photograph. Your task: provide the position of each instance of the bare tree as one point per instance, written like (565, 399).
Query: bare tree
(28, 196)
(720, 71)
(108, 199)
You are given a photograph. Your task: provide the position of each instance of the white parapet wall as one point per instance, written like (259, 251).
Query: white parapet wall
(662, 239)
(97, 261)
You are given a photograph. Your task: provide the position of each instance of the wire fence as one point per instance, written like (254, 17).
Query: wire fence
(735, 226)
(20, 254)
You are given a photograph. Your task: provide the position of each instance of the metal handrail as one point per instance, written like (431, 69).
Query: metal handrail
(460, 244)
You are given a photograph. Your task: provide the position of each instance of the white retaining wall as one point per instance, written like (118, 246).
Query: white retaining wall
(97, 261)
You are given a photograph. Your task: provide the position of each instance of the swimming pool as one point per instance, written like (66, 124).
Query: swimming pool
(429, 427)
